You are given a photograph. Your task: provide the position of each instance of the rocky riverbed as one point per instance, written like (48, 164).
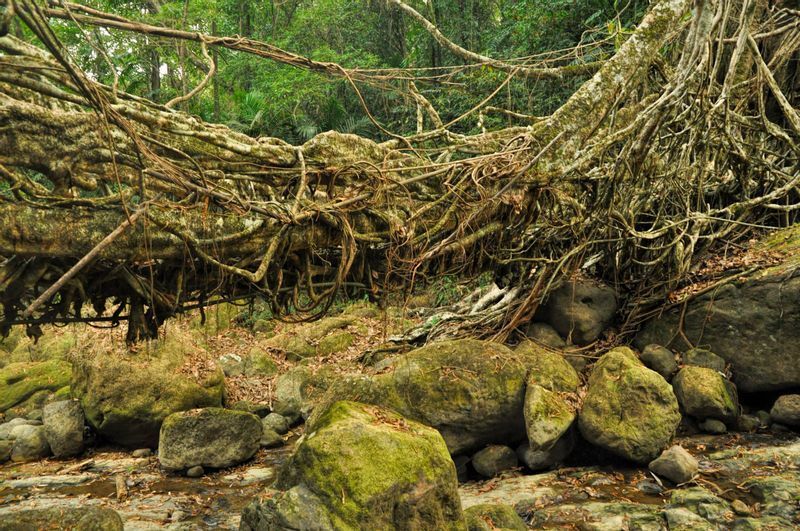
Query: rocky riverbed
(744, 482)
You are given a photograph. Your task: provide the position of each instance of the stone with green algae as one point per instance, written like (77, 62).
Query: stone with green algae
(548, 416)
(493, 517)
(705, 394)
(126, 396)
(22, 381)
(471, 391)
(364, 467)
(629, 409)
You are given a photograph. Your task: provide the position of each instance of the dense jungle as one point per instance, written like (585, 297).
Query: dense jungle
(400, 264)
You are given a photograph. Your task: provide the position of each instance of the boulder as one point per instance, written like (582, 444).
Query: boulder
(548, 369)
(548, 416)
(30, 444)
(629, 409)
(493, 517)
(471, 391)
(126, 397)
(753, 323)
(277, 423)
(363, 467)
(705, 394)
(700, 357)
(675, 464)
(786, 410)
(63, 427)
(660, 359)
(7, 427)
(579, 310)
(298, 390)
(494, 459)
(76, 518)
(546, 335)
(271, 439)
(19, 382)
(209, 437)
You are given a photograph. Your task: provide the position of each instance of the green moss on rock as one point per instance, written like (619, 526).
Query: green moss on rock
(493, 517)
(629, 409)
(706, 394)
(373, 469)
(126, 397)
(20, 381)
(471, 391)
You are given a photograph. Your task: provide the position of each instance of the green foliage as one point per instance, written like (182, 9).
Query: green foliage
(259, 97)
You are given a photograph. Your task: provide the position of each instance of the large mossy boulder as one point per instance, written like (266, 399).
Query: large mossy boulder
(753, 323)
(471, 391)
(210, 437)
(629, 409)
(364, 467)
(706, 394)
(74, 518)
(126, 396)
(27, 385)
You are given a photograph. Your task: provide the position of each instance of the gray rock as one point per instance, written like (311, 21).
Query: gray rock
(142, 452)
(706, 394)
(764, 417)
(210, 437)
(675, 464)
(30, 444)
(195, 472)
(579, 310)
(628, 409)
(297, 508)
(660, 359)
(494, 459)
(548, 416)
(701, 357)
(752, 324)
(537, 460)
(747, 423)
(63, 427)
(277, 423)
(786, 410)
(232, 364)
(6, 428)
(546, 335)
(297, 390)
(271, 439)
(713, 426)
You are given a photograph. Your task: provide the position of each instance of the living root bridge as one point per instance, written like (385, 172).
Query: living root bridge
(686, 138)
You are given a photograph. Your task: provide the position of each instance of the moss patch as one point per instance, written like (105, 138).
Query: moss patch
(376, 470)
(20, 381)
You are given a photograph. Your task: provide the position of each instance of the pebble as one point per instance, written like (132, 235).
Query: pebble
(195, 472)
(142, 452)
(713, 426)
(741, 508)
